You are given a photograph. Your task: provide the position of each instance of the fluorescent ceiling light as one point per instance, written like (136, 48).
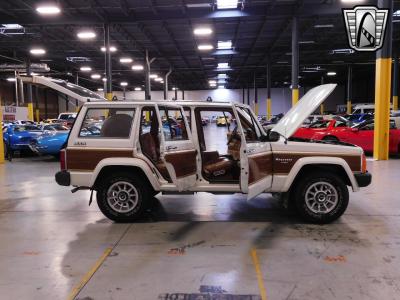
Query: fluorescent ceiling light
(112, 49)
(282, 62)
(205, 47)
(100, 89)
(221, 86)
(12, 26)
(138, 88)
(212, 81)
(202, 31)
(174, 89)
(342, 51)
(137, 67)
(213, 84)
(227, 4)
(153, 76)
(352, 1)
(123, 83)
(285, 82)
(86, 35)
(158, 79)
(11, 79)
(224, 45)
(223, 65)
(396, 13)
(323, 26)
(222, 75)
(104, 79)
(86, 69)
(48, 10)
(95, 76)
(125, 60)
(306, 42)
(331, 73)
(37, 51)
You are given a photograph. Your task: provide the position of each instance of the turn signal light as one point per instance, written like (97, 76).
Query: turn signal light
(363, 163)
(63, 159)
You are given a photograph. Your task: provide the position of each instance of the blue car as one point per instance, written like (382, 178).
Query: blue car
(18, 137)
(51, 141)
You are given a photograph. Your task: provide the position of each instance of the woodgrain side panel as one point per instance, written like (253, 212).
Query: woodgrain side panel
(184, 162)
(260, 166)
(284, 162)
(87, 159)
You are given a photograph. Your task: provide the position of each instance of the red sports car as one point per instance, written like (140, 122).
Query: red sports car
(361, 134)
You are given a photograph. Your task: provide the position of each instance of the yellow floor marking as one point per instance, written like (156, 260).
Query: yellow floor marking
(256, 264)
(89, 274)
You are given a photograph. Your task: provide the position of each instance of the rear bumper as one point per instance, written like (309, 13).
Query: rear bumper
(363, 179)
(63, 178)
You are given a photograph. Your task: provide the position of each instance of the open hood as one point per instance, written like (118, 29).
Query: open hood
(64, 87)
(293, 119)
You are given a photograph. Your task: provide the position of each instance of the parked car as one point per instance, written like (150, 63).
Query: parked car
(49, 143)
(140, 163)
(359, 118)
(222, 121)
(18, 137)
(320, 129)
(361, 135)
(67, 115)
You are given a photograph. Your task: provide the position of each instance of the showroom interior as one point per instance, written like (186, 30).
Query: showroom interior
(199, 149)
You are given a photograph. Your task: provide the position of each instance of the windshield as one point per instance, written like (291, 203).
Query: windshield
(25, 128)
(56, 127)
(319, 124)
(66, 116)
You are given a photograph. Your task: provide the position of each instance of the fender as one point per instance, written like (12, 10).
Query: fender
(316, 160)
(131, 162)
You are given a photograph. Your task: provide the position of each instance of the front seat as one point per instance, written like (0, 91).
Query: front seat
(214, 165)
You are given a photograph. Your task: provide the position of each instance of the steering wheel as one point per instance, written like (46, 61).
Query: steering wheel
(233, 134)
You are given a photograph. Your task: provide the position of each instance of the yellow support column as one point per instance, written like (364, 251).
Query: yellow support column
(383, 74)
(1, 141)
(321, 109)
(37, 115)
(349, 110)
(269, 110)
(395, 102)
(382, 108)
(295, 96)
(256, 108)
(30, 111)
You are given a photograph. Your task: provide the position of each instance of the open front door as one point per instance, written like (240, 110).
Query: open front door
(177, 149)
(255, 156)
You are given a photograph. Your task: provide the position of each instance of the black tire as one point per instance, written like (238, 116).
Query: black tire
(333, 210)
(141, 188)
(330, 138)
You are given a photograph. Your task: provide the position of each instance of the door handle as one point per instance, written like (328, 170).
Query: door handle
(172, 148)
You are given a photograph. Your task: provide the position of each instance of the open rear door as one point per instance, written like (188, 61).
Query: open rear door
(255, 155)
(177, 148)
(64, 87)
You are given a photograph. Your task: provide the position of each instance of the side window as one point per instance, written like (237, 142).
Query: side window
(107, 123)
(173, 125)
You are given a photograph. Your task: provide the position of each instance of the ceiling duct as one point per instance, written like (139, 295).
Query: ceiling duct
(38, 68)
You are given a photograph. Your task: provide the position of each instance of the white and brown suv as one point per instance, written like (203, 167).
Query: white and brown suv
(129, 151)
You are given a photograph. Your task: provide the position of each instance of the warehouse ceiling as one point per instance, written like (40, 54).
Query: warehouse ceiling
(258, 31)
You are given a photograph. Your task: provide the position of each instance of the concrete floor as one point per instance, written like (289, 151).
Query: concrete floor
(52, 242)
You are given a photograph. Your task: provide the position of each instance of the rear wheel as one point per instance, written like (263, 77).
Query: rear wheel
(330, 138)
(321, 197)
(122, 197)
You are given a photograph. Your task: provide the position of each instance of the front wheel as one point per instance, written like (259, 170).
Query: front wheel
(122, 197)
(321, 197)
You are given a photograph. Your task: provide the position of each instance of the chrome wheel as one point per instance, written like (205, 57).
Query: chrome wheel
(321, 197)
(122, 196)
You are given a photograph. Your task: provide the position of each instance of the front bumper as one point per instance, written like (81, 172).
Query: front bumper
(63, 178)
(363, 179)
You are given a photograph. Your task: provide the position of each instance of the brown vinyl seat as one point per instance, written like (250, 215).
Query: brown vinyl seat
(149, 149)
(214, 165)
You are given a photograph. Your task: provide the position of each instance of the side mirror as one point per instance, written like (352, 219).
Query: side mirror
(273, 136)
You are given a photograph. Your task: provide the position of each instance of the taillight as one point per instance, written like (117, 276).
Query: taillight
(63, 159)
(363, 163)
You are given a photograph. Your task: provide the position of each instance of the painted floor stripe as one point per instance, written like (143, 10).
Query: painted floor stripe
(89, 274)
(256, 264)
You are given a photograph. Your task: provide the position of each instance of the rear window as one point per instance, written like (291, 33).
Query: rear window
(107, 123)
